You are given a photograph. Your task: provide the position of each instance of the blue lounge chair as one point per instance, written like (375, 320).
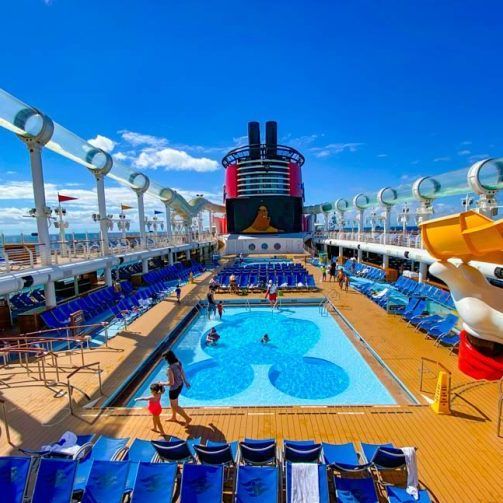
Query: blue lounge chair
(296, 452)
(217, 453)
(176, 450)
(355, 490)
(384, 457)
(105, 449)
(444, 327)
(449, 340)
(258, 452)
(400, 495)
(140, 451)
(343, 457)
(84, 441)
(258, 484)
(369, 450)
(154, 482)
(202, 483)
(426, 322)
(55, 478)
(417, 311)
(107, 482)
(14, 474)
(322, 483)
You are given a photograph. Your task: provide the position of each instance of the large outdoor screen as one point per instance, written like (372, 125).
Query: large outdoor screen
(264, 215)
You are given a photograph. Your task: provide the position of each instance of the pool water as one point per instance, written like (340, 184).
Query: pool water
(308, 361)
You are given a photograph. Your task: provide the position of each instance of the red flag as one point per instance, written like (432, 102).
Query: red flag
(62, 199)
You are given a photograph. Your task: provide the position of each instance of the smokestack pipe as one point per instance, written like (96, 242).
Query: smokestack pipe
(271, 138)
(254, 139)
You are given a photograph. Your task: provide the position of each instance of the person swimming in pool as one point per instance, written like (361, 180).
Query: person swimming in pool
(265, 339)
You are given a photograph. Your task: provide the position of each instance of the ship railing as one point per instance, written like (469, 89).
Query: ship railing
(89, 368)
(27, 255)
(408, 240)
(5, 421)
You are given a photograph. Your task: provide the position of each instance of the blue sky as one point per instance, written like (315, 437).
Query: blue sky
(372, 92)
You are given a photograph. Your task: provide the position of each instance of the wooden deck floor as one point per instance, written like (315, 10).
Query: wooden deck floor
(460, 456)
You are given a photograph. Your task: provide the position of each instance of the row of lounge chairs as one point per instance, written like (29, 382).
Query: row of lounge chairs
(289, 276)
(126, 271)
(253, 282)
(173, 272)
(364, 270)
(410, 287)
(439, 327)
(256, 470)
(95, 305)
(24, 301)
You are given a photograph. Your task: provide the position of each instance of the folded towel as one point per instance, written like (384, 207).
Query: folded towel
(412, 477)
(305, 485)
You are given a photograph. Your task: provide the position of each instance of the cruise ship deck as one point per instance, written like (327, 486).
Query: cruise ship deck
(459, 455)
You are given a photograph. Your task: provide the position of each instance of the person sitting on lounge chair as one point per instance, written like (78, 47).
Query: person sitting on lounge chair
(232, 283)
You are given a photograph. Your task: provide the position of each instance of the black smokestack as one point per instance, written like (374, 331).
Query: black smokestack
(271, 138)
(254, 139)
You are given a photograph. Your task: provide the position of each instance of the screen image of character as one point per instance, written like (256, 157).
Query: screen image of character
(262, 222)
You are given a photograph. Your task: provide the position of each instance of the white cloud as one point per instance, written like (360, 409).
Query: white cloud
(103, 142)
(175, 160)
(382, 155)
(335, 148)
(120, 156)
(442, 159)
(137, 139)
(300, 141)
(478, 157)
(464, 152)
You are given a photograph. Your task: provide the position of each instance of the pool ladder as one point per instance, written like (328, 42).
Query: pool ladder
(248, 305)
(323, 307)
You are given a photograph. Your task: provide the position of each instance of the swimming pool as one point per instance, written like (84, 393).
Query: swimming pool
(308, 361)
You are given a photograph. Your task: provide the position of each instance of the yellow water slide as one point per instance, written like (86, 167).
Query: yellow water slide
(466, 236)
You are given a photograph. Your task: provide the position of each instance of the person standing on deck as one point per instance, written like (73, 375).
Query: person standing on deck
(212, 307)
(178, 292)
(346, 282)
(154, 406)
(272, 293)
(176, 380)
(332, 271)
(323, 272)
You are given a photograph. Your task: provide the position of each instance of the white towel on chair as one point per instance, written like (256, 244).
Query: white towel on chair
(67, 444)
(412, 478)
(305, 485)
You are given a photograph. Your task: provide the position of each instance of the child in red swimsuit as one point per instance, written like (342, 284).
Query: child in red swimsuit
(154, 406)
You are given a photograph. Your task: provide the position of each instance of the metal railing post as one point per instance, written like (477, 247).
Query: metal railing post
(6, 422)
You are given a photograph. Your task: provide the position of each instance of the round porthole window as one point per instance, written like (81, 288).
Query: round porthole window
(251, 247)
(277, 246)
(264, 246)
